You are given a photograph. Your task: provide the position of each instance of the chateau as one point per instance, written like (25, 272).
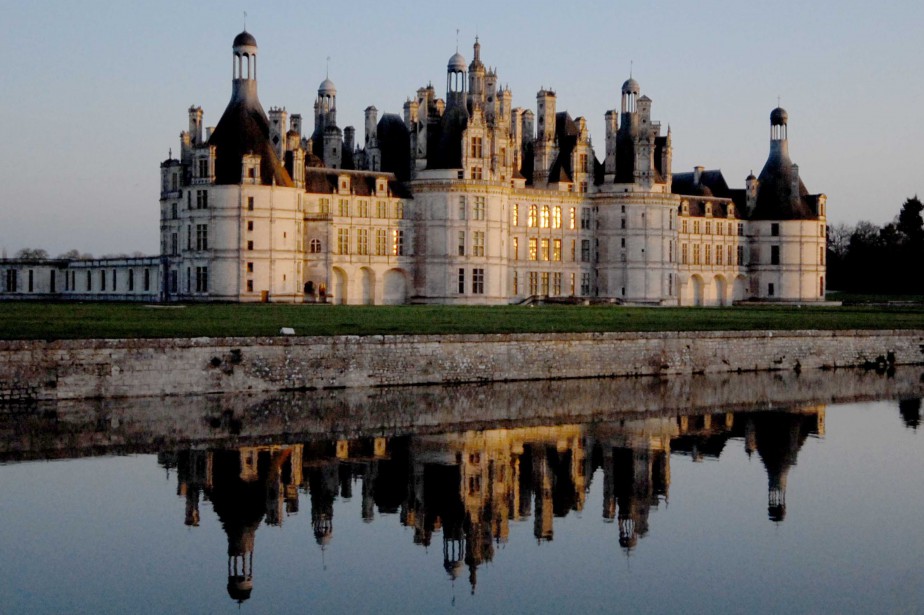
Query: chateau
(464, 199)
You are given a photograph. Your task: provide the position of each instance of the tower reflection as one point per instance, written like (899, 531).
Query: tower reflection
(471, 486)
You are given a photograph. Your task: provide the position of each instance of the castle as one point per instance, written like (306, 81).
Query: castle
(463, 200)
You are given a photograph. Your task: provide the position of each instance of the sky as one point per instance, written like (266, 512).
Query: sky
(95, 93)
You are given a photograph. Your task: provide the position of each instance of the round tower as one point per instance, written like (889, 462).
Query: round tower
(455, 80)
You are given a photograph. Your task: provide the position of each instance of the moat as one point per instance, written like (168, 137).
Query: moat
(758, 492)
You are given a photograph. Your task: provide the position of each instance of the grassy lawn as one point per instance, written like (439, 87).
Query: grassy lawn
(101, 320)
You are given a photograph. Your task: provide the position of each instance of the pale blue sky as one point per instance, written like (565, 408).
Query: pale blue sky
(95, 92)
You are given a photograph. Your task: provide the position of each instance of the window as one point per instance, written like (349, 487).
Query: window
(12, 282)
(774, 255)
(572, 285)
(556, 250)
(363, 209)
(131, 280)
(343, 241)
(544, 220)
(362, 241)
(718, 255)
(821, 255)
(478, 211)
(477, 148)
(314, 246)
(478, 243)
(571, 218)
(189, 237)
(516, 248)
(202, 279)
(250, 203)
(585, 218)
(740, 230)
(684, 248)
(771, 290)
(515, 216)
(147, 280)
(398, 239)
(683, 226)
(173, 210)
(533, 216)
(343, 207)
(250, 245)
(202, 236)
(476, 173)
(188, 280)
(249, 286)
(585, 284)
(740, 255)
(533, 248)
(822, 230)
(545, 283)
(461, 281)
(399, 210)
(697, 249)
(174, 281)
(556, 283)
(670, 251)
(516, 283)
(249, 267)
(821, 286)
(461, 243)
(545, 249)
(381, 242)
(573, 243)
(324, 206)
(670, 285)
(775, 229)
(478, 281)
(708, 228)
(696, 226)
(556, 217)
(381, 209)
(462, 207)
(582, 163)
(250, 225)
(708, 254)
(585, 250)
(90, 282)
(533, 283)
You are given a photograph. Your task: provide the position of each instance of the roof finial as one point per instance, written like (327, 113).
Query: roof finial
(778, 99)
(327, 69)
(170, 154)
(631, 66)
(457, 40)
(245, 21)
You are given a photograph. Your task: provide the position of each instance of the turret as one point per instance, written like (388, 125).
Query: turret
(544, 149)
(455, 80)
(195, 125)
(476, 79)
(244, 78)
(611, 120)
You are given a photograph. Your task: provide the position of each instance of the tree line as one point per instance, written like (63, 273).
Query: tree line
(869, 259)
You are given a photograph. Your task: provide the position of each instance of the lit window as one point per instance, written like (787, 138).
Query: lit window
(516, 216)
(556, 217)
(545, 249)
(533, 216)
(556, 250)
(544, 221)
(533, 248)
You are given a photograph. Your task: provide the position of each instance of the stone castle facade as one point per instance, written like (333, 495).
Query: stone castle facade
(463, 200)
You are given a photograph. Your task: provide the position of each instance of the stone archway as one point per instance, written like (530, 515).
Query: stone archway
(340, 286)
(699, 290)
(367, 283)
(395, 287)
(740, 290)
(721, 290)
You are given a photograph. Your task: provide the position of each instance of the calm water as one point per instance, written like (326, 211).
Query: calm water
(463, 502)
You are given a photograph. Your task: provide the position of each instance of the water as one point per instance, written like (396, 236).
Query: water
(759, 493)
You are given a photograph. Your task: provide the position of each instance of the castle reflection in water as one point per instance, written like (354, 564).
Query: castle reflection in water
(468, 487)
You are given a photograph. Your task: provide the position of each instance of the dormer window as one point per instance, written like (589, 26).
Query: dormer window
(731, 211)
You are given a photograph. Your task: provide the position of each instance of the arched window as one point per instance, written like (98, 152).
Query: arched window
(315, 246)
(544, 222)
(533, 214)
(556, 217)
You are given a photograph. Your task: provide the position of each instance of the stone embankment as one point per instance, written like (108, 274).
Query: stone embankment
(86, 369)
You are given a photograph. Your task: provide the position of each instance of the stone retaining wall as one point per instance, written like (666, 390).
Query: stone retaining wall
(80, 369)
